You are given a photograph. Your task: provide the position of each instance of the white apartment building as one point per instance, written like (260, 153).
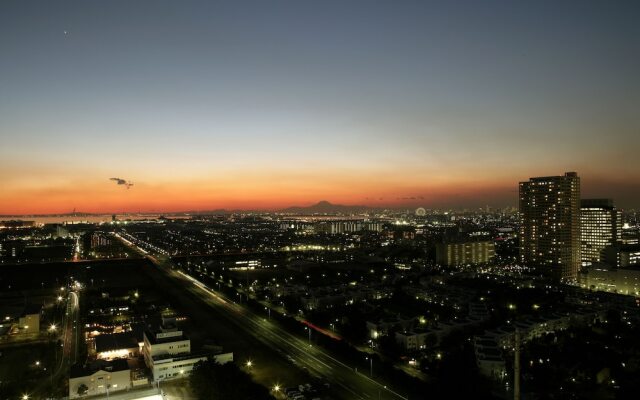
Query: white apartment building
(167, 353)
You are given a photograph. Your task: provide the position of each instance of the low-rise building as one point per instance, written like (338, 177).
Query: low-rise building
(29, 321)
(117, 345)
(177, 366)
(621, 280)
(167, 341)
(382, 326)
(416, 339)
(167, 352)
(99, 378)
(489, 358)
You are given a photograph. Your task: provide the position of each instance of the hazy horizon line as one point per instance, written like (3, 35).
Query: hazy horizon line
(256, 210)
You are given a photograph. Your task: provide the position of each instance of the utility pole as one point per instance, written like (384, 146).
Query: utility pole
(516, 367)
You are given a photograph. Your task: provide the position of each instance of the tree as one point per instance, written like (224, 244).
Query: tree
(355, 328)
(82, 389)
(388, 343)
(210, 380)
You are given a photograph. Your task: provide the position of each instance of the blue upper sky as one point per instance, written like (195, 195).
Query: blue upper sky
(426, 94)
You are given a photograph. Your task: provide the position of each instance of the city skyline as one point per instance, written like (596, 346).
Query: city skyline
(319, 199)
(220, 105)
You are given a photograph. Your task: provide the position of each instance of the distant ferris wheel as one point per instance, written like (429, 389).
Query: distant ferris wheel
(421, 212)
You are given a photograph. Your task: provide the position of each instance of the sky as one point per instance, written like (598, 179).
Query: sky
(266, 104)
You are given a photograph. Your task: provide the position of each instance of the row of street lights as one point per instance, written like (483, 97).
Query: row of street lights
(249, 364)
(276, 388)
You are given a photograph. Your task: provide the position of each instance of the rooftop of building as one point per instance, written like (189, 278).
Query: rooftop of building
(167, 332)
(544, 178)
(158, 336)
(81, 370)
(596, 203)
(116, 341)
(15, 307)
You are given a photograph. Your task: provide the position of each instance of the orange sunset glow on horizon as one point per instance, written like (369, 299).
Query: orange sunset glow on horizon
(263, 191)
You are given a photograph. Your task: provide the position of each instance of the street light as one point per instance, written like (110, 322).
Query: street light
(249, 363)
(370, 365)
(276, 388)
(158, 382)
(52, 328)
(25, 397)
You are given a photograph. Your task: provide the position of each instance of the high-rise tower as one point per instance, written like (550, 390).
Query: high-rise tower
(550, 224)
(600, 227)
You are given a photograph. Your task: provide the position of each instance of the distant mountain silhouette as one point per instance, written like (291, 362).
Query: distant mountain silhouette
(324, 207)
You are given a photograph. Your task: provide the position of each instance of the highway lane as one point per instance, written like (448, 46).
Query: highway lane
(346, 381)
(352, 384)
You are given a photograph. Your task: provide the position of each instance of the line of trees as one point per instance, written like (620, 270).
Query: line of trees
(210, 380)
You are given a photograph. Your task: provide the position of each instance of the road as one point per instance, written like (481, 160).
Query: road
(350, 384)
(70, 333)
(70, 343)
(346, 382)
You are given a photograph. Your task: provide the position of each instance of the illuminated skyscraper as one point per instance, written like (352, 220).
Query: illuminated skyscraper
(550, 224)
(600, 227)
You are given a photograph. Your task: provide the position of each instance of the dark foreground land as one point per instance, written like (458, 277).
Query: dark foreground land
(202, 324)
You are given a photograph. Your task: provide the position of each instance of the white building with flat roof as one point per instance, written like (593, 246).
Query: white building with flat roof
(164, 343)
(99, 378)
(174, 367)
(167, 353)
